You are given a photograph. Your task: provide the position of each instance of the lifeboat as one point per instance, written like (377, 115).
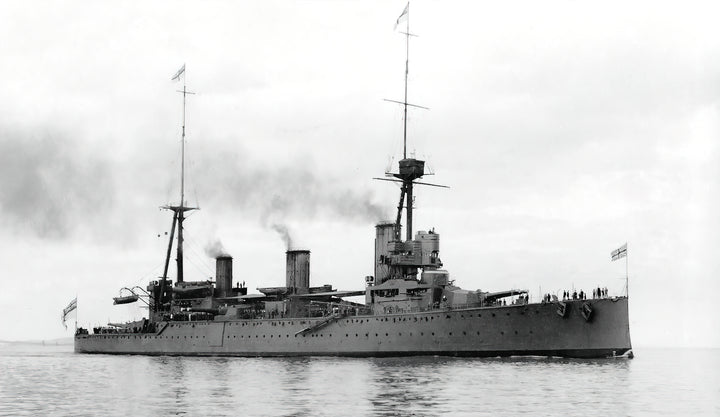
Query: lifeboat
(126, 299)
(193, 289)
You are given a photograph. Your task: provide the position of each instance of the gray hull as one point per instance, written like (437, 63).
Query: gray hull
(532, 329)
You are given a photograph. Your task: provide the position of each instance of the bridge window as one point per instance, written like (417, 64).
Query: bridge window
(392, 292)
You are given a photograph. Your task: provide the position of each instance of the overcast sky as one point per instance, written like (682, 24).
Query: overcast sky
(564, 130)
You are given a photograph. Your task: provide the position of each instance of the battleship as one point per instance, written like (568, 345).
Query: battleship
(411, 305)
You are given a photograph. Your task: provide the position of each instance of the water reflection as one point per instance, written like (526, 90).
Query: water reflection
(662, 382)
(407, 386)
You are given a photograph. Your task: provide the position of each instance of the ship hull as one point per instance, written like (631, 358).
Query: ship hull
(517, 330)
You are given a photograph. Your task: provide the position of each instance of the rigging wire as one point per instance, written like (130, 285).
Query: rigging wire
(197, 267)
(193, 248)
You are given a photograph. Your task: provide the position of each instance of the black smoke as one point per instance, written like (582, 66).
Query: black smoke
(50, 184)
(276, 193)
(284, 233)
(214, 249)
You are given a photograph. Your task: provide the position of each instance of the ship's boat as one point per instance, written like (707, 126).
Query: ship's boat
(126, 299)
(411, 305)
(193, 289)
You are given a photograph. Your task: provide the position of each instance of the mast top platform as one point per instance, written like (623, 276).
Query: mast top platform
(410, 169)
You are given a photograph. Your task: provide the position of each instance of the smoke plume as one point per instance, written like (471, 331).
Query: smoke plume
(50, 184)
(284, 234)
(215, 249)
(278, 193)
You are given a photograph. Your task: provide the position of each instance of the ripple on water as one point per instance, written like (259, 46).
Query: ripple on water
(37, 380)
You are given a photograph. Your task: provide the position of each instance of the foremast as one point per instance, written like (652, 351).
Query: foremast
(410, 169)
(396, 259)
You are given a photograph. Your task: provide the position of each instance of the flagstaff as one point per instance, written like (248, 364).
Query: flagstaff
(627, 289)
(622, 252)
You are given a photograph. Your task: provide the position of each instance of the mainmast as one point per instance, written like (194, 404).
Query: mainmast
(181, 208)
(407, 66)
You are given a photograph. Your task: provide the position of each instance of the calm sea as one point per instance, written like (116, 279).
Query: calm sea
(51, 380)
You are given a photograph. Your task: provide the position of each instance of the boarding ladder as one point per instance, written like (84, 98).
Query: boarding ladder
(320, 324)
